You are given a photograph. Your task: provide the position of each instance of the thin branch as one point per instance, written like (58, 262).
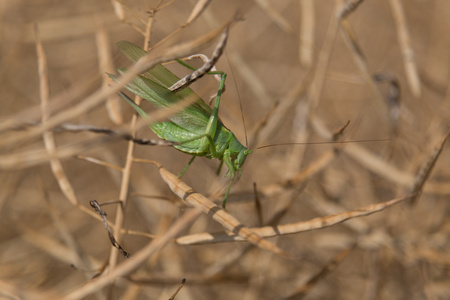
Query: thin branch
(293, 228)
(95, 205)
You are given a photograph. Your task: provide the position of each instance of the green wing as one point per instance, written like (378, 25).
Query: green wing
(159, 73)
(192, 118)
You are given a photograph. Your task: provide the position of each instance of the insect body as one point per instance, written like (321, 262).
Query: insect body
(196, 129)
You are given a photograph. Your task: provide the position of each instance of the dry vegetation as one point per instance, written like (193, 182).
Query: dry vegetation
(384, 66)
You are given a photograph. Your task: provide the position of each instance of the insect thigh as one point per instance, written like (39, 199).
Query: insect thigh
(189, 142)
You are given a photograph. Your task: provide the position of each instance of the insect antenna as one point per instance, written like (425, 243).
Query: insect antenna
(240, 101)
(322, 143)
(334, 139)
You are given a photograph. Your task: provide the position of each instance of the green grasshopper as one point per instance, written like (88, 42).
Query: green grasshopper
(196, 129)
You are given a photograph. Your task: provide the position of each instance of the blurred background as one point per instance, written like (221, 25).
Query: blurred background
(300, 70)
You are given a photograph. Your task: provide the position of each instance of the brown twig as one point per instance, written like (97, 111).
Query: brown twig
(270, 231)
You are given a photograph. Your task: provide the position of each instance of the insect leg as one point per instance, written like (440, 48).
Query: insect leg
(187, 166)
(212, 123)
(220, 167)
(229, 163)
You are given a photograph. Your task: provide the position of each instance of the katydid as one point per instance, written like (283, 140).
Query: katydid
(196, 129)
